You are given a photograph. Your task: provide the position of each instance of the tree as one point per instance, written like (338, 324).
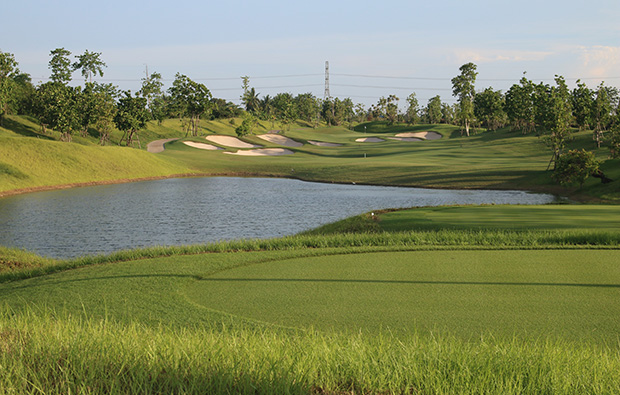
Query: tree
(391, 109)
(248, 124)
(60, 66)
(575, 166)
(519, 106)
(601, 113)
(412, 114)
(191, 99)
(97, 108)
(131, 116)
(307, 107)
(90, 63)
(558, 118)
(56, 106)
(582, 99)
(8, 70)
(463, 87)
(151, 90)
(433, 110)
(489, 108)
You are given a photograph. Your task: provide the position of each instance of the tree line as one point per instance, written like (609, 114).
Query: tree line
(528, 107)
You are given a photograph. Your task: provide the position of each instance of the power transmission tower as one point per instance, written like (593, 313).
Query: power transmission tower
(326, 95)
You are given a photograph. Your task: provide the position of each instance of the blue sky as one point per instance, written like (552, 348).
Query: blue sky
(218, 42)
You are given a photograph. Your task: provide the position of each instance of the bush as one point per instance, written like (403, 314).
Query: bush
(575, 166)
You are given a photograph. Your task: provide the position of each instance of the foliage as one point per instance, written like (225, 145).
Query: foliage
(520, 106)
(98, 108)
(90, 63)
(189, 98)
(433, 110)
(582, 100)
(575, 166)
(247, 125)
(601, 113)
(132, 115)
(60, 65)
(463, 87)
(8, 69)
(412, 115)
(489, 108)
(57, 107)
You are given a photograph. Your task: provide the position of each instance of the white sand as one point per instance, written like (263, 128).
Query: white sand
(406, 138)
(157, 146)
(263, 152)
(280, 140)
(421, 135)
(202, 145)
(229, 141)
(324, 144)
(369, 140)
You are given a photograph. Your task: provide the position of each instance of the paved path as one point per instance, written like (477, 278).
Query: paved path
(157, 145)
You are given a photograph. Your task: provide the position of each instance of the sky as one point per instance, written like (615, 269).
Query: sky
(374, 49)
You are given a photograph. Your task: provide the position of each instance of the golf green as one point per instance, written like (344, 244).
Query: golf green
(569, 294)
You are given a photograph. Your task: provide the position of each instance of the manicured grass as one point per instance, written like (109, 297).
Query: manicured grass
(591, 217)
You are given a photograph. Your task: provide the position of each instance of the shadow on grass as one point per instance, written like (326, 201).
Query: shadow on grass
(412, 282)
(22, 129)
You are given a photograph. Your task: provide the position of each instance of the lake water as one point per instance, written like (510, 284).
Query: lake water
(102, 219)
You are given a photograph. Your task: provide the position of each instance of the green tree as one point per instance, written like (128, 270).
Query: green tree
(131, 116)
(97, 104)
(8, 70)
(308, 107)
(57, 107)
(582, 99)
(433, 110)
(601, 108)
(412, 114)
(489, 108)
(60, 66)
(191, 99)
(151, 90)
(463, 87)
(519, 106)
(575, 166)
(248, 124)
(90, 63)
(391, 109)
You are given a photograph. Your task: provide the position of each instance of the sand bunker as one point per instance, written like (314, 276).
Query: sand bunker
(369, 140)
(202, 145)
(229, 141)
(405, 138)
(324, 144)
(263, 152)
(280, 140)
(421, 135)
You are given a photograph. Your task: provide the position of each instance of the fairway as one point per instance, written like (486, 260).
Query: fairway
(571, 294)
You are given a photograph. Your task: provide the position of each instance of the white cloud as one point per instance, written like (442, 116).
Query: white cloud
(599, 61)
(489, 55)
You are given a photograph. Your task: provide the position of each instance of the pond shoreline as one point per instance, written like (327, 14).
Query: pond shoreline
(43, 188)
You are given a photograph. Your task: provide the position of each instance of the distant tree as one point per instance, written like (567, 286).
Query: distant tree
(284, 108)
(60, 65)
(601, 108)
(90, 63)
(489, 108)
(151, 90)
(97, 105)
(8, 70)
(131, 116)
(463, 87)
(248, 124)
(412, 115)
(391, 109)
(519, 106)
(614, 142)
(582, 99)
(223, 109)
(448, 113)
(307, 107)
(433, 110)
(189, 99)
(57, 107)
(575, 166)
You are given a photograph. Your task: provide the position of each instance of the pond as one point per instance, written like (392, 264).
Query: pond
(107, 218)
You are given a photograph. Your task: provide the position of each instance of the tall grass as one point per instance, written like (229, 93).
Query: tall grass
(54, 354)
